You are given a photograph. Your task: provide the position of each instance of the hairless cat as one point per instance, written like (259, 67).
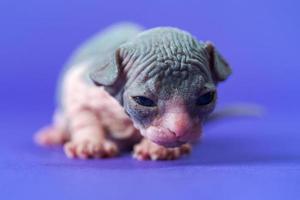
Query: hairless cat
(126, 87)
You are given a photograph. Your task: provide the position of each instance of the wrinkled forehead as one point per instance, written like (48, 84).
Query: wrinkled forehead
(172, 64)
(187, 82)
(171, 84)
(183, 81)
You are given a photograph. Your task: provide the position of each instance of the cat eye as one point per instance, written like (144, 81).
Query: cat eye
(144, 101)
(205, 99)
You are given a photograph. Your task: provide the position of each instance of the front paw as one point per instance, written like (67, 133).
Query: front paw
(90, 149)
(147, 150)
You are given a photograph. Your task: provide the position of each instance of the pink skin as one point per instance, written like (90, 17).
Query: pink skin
(85, 125)
(94, 125)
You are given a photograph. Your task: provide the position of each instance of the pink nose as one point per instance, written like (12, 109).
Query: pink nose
(169, 138)
(178, 123)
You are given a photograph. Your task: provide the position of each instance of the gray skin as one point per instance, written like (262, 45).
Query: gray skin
(170, 68)
(97, 49)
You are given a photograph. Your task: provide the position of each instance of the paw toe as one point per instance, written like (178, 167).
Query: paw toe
(85, 150)
(69, 150)
(110, 149)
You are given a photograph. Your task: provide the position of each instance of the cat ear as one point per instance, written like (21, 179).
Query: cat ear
(218, 65)
(108, 73)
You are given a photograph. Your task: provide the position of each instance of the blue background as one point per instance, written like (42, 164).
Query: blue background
(237, 159)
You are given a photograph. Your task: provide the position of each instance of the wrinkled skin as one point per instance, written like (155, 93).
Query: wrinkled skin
(166, 82)
(176, 119)
(172, 69)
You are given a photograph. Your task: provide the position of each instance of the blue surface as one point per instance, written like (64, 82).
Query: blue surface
(237, 159)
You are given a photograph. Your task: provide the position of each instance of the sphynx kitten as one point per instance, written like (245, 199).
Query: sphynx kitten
(126, 87)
